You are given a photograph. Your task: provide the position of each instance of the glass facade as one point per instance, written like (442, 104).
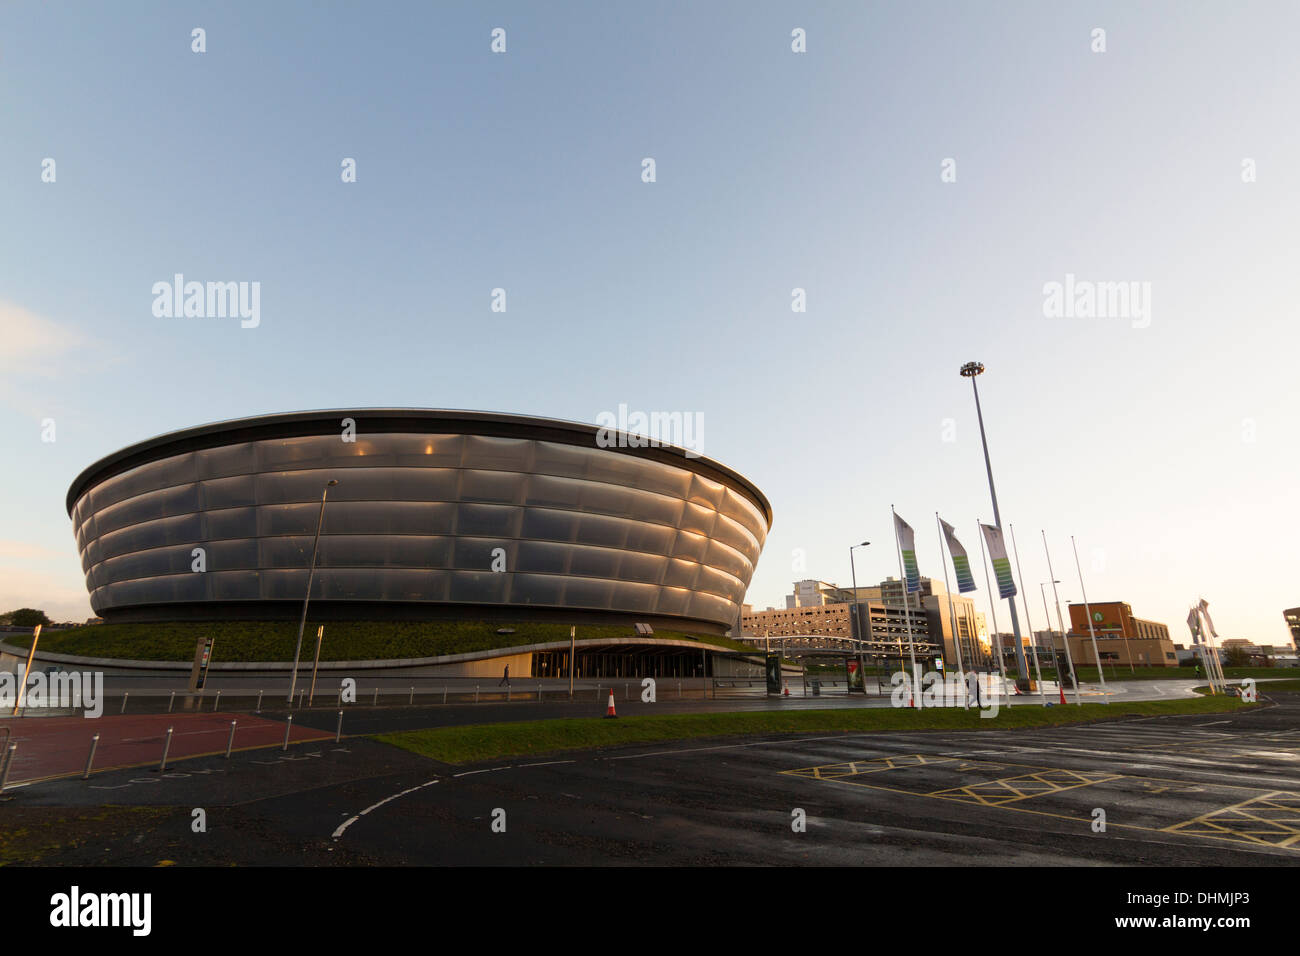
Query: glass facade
(418, 518)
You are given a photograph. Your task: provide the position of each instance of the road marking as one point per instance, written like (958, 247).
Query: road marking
(375, 806)
(548, 763)
(1272, 819)
(470, 773)
(996, 793)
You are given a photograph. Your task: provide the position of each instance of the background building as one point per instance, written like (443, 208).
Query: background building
(1121, 638)
(830, 626)
(1292, 616)
(821, 609)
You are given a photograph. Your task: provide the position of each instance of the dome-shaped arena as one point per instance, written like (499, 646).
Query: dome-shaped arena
(434, 515)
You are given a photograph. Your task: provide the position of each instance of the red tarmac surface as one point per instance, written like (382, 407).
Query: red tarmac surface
(58, 746)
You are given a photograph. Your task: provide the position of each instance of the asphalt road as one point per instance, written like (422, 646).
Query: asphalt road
(1217, 789)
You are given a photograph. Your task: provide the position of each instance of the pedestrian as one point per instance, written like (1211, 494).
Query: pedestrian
(505, 678)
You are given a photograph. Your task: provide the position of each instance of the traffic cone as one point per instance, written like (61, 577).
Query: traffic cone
(1060, 685)
(609, 708)
(787, 688)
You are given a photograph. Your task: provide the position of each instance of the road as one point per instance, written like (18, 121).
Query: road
(1216, 789)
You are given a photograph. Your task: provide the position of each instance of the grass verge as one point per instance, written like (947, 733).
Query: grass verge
(456, 745)
(34, 833)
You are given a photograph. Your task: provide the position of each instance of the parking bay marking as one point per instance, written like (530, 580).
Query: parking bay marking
(1269, 814)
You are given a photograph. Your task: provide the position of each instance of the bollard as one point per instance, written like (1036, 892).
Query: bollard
(476, 693)
(301, 695)
(444, 693)
(375, 702)
(167, 745)
(539, 692)
(125, 695)
(171, 702)
(679, 690)
(90, 760)
(338, 731)
(412, 700)
(597, 692)
(216, 704)
(258, 709)
(231, 741)
(5, 763)
(287, 727)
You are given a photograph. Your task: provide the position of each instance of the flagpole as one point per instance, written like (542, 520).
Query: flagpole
(1198, 640)
(1091, 633)
(907, 612)
(1065, 635)
(1029, 625)
(993, 606)
(952, 615)
(1210, 636)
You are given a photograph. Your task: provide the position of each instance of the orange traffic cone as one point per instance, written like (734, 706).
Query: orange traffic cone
(787, 689)
(1060, 685)
(609, 708)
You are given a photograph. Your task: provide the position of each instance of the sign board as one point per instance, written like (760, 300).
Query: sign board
(202, 658)
(774, 673)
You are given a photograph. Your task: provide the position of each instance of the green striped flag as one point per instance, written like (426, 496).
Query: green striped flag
(960, 563)
(907, 545)
(1001, 563)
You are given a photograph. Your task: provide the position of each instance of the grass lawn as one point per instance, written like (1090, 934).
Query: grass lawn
(1264, 686)
(456, 745)
(344, 640)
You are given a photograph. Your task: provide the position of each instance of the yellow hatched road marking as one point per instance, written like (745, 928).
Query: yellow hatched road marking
(1010, 789)
(1270, 820)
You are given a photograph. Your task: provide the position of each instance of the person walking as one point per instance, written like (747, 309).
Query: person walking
(505, 678)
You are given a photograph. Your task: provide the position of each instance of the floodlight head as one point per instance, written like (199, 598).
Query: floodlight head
(971, 369)
(331, 483)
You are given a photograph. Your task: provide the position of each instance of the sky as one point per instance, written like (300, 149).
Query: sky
(1163, 439)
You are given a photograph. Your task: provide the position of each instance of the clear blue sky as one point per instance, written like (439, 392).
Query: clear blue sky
(1169, 451)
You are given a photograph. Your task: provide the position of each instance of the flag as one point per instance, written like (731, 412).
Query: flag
(1204, 608)
(1194, 625)
(1001, 563)
(960, 563)
(907, 545)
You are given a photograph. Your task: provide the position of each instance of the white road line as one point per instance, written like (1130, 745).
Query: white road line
(548, 763)
(375, 806)
(470, 773)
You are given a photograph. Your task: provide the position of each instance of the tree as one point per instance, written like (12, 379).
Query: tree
(28, 617)
(1236, 657)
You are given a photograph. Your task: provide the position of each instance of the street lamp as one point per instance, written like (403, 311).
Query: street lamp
(311, 573)
(970, 370)
(857, 614)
